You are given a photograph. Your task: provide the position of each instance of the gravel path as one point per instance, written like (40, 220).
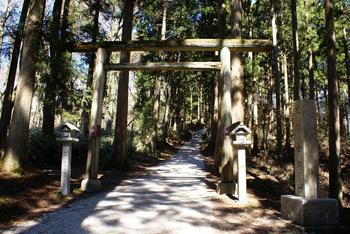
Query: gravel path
(173, 197)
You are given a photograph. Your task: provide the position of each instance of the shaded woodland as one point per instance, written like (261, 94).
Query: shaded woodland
(43, 84)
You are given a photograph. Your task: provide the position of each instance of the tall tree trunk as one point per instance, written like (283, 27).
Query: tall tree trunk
(166, 119)
(3, 27)
(237, 89)
(95, 29)
(347, 64)
(215, 88)
(65, 21)
(303, 84)
(296, 90)
(199, 106)
(335, 183)
(191, 105)
(286, 100)
(237, 65)
(311, 60)
(49, 108)
(213, 109)
(7, 101)
(16, 156)
(277, 76)
(158, 85)
(119, 150)
(65, 56)
(87, 105)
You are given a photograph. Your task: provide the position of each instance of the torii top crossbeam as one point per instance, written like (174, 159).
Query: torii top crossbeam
(239, 45)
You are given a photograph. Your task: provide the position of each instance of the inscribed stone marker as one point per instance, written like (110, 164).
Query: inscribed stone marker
(306, 155)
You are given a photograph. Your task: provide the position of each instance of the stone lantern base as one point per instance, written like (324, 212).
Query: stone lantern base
(91, 185)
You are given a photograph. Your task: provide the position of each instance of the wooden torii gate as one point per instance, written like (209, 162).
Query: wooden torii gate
(102, 65)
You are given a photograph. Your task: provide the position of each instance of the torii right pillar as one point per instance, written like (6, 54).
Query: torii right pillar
(305, 207)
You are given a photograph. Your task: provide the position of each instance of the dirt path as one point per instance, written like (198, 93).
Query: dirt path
(172, 197)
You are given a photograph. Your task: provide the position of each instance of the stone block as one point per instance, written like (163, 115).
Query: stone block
(226, 188)
(310, 212)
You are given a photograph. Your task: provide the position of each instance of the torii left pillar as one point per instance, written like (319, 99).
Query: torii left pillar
(91, 182)
(225, 150)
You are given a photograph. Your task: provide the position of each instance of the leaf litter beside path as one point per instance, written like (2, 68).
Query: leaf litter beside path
(27, 197)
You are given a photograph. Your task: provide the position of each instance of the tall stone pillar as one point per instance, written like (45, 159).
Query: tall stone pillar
(305, 208)
(306, 155)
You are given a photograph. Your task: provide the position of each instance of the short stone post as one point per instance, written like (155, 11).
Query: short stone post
(239, 134)
(65, 136)
(305, 208)
(91, 182)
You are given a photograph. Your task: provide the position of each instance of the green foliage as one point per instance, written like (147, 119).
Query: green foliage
(43, 150)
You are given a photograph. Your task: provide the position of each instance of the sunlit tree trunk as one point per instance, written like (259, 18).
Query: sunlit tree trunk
(199, 106)
(286, 100)
(296, 91)
(237, 89)
(237, 65)
(347, 64)
(214, 137)
(191, 105)
(335, 183)
(16, 156)
(311, 60)
(7, 99)
(277, 76)
(158, 85)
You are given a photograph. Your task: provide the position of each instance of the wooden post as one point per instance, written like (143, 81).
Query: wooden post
(90, 183)
(225, 150)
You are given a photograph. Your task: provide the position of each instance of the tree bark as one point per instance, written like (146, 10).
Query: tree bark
(277, 76)
(119, 150)
(16, 156)
(237, 65)
(287, 104)
(3, 27)
(49, 108)
(199, 104)
(347, 65)
(237, 86)
(296, 90)
(311, 60)
(335, 183)
(158, 85)
(87, 106)
(215, 86)
(7, 101)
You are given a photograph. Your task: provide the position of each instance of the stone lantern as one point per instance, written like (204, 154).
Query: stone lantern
(239, 135)
(66, 133)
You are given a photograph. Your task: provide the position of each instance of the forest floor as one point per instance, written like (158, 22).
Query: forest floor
(27, 198)
(170, 197)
